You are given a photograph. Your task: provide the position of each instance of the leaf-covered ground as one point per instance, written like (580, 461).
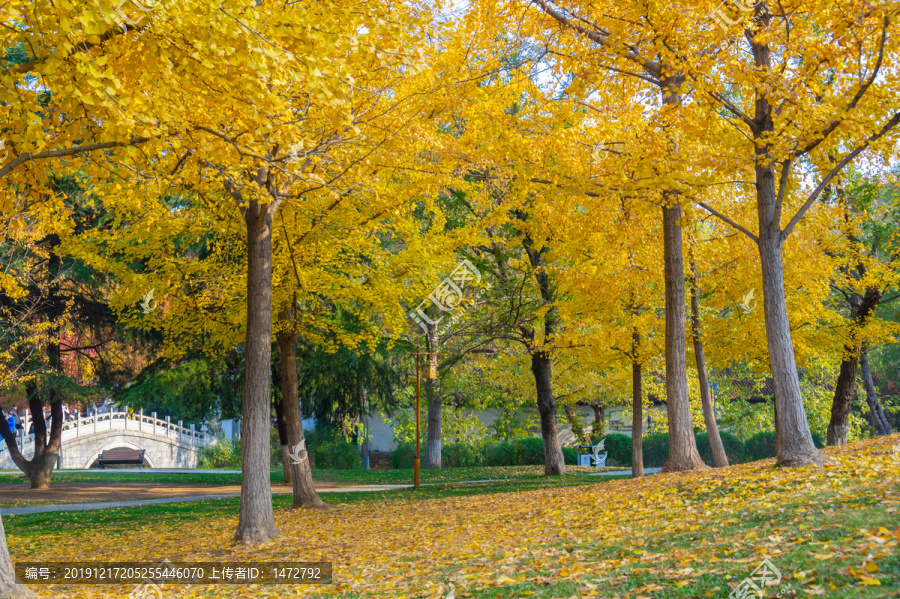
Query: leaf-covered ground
(832, 532)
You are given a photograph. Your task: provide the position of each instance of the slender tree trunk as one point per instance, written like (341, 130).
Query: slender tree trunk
(844, 391)
(282, 434)
(598, 427)
(553, 457)
(879, 420)
(683, 454)
(301, 472)
(794, 442)
(637, 413)
(575, 424)
(541, 363)
(9, 588)
(433, 443)
(845, 386)
(720, 459)
(433, 395)
(256, 523)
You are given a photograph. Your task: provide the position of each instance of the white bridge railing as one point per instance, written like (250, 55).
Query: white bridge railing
(82, 426)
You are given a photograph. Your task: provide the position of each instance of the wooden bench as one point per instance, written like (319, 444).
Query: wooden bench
(121, 456)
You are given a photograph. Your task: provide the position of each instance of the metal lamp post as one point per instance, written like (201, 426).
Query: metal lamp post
(365, 459)
(418, 415)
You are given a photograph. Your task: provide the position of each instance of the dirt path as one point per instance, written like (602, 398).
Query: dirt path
(18, 494)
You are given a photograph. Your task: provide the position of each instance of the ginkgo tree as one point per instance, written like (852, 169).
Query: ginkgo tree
(741, 89)
(248, 119)
(584, 47)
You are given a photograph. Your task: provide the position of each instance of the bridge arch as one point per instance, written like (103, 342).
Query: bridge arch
(119, 445)
(165, 445)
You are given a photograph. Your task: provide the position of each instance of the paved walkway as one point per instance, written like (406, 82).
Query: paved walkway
(626, 472)
(134, 470)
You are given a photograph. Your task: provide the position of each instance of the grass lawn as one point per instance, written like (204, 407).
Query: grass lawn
(349, 477)
(831, 532)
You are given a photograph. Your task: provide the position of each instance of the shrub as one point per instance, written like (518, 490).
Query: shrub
(529, 451)
(760, 446)
(618, 448)
(459, 455)
(275, 450)
(224, 454)
(500, 454)
(734, 449)
(402, 457)
(323, 434)
(337, 455)
(655, 449)
(817, 440)
(570, 456)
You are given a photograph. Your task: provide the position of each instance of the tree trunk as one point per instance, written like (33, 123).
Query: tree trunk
(282, 433)
(879, 420)
(598, 427)
(256, 523)
(9, 588)
(575, 424)
(433, 396)
(553, 457)
(637, 413)
(845, 386)
(301, 472)
(46, 450)
(720, 459)
(793, 440)
(683, 454)
(844, 391)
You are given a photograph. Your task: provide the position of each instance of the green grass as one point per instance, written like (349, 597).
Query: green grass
(443, 475)
(349, 477)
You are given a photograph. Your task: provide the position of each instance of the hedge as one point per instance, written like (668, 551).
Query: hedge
(337, 455)
(460, 455)
(734, 449)
(403, 456)
(530, 451)
(762, 445)
(618, 448)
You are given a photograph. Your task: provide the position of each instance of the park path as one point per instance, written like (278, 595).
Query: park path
(626, 472)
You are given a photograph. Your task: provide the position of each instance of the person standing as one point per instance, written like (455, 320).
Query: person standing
(13, 422)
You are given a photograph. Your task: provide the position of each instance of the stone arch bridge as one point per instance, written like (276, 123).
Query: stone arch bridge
(166, 444)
